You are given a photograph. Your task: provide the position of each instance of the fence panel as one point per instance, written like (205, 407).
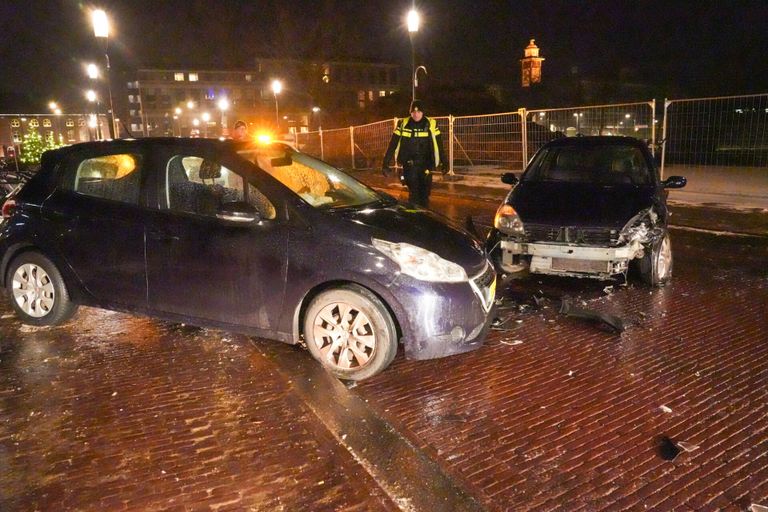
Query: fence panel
(337, 148)
(371, 142)
(309, 142)
(627, 119)
(719, 144)
(488, 142)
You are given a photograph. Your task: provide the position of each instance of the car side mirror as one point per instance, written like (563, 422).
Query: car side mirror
(509, 178)
(284, 161)
(238, 211)
(674, 182)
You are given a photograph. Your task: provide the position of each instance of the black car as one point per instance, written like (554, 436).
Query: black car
(260, 239)
(586, 207)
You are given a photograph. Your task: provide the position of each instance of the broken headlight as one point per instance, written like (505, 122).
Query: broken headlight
(421, 263)
(641, 228)
(508, 221)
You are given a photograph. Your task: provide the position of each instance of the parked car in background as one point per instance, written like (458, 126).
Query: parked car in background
(586, 207)
(260, 239)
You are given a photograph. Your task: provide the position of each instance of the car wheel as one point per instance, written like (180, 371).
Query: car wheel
(656, 264)
(37, 291)
(351, 332)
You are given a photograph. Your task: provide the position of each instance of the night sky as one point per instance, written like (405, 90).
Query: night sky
(689, 48)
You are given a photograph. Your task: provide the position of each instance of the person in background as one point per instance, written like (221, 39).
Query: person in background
(240, 131)
(417, 146)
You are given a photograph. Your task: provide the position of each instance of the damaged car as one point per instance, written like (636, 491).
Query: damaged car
(586, 207)
(254, 238)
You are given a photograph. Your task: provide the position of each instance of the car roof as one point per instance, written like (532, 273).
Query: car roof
(147, 141)
(596, 141)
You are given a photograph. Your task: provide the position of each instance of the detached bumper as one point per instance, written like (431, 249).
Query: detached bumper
(571, 260)
(443, 319)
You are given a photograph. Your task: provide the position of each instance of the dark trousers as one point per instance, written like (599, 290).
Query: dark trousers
(419, 182)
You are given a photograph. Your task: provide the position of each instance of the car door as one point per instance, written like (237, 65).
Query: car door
(202, 266)
(95, 218)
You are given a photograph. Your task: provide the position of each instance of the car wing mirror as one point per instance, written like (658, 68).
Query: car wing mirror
(238, 211)
(509, 178)
(674, 182)
(283, 161)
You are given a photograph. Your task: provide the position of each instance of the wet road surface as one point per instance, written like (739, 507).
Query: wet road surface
(114, 412)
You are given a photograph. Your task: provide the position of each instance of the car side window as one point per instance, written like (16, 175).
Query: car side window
(202, 186)
(114, 177)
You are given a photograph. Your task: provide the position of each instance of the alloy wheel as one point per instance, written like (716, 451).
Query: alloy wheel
(33, 290)
(344, 335)
(664, 259)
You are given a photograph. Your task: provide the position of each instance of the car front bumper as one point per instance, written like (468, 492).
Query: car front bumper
(443, 319)
(569, 259)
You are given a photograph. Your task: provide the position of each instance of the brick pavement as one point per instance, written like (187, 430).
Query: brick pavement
(121, 413)
(569, 419)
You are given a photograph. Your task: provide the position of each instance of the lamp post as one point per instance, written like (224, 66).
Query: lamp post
(413, 20)
(223, 107)
(101, 31)
(54, 107)
(177, 117)
(93, 98)
(206, 119)
(277, 87)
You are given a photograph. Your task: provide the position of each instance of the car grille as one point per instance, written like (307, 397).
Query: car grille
(484, 285)
(606, 237)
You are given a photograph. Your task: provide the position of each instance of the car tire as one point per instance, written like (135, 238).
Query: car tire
(656, 264)
(37, 291)
(350, 332)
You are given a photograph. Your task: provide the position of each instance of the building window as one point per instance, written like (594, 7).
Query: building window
(131, 98)
(47, 123)
(382, 94)
(135, 127)
(248, 78)
(81, 122)
(49, 135)
(210, 94)
(193, 77)
(370, 95)
(70, 123)
(15, 123)
(16, 137)
(179, 77)
(70, 135)
(33, 123)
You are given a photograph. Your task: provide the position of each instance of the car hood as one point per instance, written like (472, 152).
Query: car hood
(579, 204)
(425, 229)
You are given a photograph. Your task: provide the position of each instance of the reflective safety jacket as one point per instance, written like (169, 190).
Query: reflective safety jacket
(419, 143)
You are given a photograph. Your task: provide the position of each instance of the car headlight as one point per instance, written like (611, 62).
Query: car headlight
(421, 263)
(508, 221)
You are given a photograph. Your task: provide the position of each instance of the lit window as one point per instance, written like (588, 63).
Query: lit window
(47, 123)
(391, 93)
(49, 135)
(248, 78)
(382, 94)
(70, 123)
(33, 123)
(16, 137)
(370, 95)
(70, 135)
(15, 123)
(179, 77)
(326, 78)
(193, 77)
(81, 122)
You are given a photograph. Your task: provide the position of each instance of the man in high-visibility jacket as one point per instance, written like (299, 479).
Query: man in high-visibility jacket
(417, 146)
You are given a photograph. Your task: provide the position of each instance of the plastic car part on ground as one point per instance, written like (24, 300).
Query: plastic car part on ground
(612, 321)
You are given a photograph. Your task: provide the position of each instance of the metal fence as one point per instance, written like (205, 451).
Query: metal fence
(715, 142)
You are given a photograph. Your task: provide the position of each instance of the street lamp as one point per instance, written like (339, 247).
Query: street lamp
(101, 31)
(413, 21)
(92, 70)
(223, 105)
(277, 87)
(53, 105)
(206, 118)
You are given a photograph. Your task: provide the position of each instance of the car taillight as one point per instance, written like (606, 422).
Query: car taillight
(8, 208)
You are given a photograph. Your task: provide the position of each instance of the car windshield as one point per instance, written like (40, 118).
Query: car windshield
(602, 164)
(316, 182)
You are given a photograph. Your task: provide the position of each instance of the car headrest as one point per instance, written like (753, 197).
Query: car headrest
(176, 173)
(209, 170)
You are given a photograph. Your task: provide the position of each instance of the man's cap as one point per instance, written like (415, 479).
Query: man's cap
(417, 106)
(238, 124)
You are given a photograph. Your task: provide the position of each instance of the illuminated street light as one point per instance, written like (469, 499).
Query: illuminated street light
(52, 105)
(92, 70)
(315, 109)
(277, 87)
(90, 95)
(190, 104)
(195, 122)
(627, 116)
(177, 111)
(57, 111)
(223, 105)
(101, 31)
(100, 23)
(413, 20)
(206, 116)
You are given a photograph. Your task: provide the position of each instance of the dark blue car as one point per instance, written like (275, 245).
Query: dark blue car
(260, 239)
